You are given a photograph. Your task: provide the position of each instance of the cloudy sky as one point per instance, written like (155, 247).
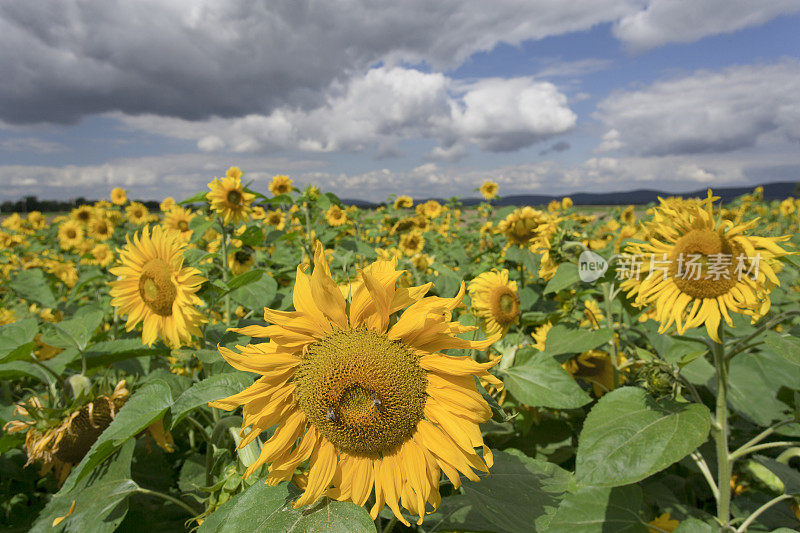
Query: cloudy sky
(368, 98)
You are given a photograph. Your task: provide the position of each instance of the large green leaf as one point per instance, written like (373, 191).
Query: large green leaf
(629, 436)
(32, 285)
(257, 294)
(208, 390)
(565, 276)
(108, 352)
(561, 339)
(147, 405)
(600, 510)
(761, 376)
(100, 498)
(693, 525)
(245, 278)
(457, 513)
(786, 347)
(77, 331)
(520, 494)
(15, 339)
(542, 382)
(262, 508)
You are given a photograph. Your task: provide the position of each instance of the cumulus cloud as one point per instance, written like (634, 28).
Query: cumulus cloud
(668, 21)
(385, 106)
(706, 112)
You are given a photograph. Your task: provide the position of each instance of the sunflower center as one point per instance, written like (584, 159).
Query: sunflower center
(362, 391)
(241, 257)
(703, 264)
(183, 225)
(156, 287)
(71, 233)
(234, 198)
(505, 305)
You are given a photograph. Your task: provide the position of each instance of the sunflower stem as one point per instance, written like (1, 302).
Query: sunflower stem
(757, 512)
(390, 526)
(225, 274)
(721, 433)
(608, 301)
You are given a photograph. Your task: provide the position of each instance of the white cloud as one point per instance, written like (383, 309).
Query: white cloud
(706, 112)
(672, 21)
(386, 106)
(31, 145)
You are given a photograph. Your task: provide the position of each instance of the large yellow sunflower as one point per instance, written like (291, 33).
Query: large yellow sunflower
(229, 199)
(100, 227)
(137, 213)
(154, 287)
(494, 301)
(118, 196)
(367, 401)
(336, 216)
(698, 268)
(70, 234)
(412, 243)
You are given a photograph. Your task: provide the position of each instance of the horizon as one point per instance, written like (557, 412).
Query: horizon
(545, 99)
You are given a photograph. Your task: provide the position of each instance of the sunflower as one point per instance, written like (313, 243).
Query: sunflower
(178, 218)
(663, 522)
(82, 214)
(70, 234)
(100, 227)
(430, 209)
(102, 255)
(280, 185)
(367, 400)
(489, 189)
(540, 335)
(229, 199)
(155, 288)
(566, 203)
(336, 216)
(698, 268)
(118, 196)
(403, 202)
(137, 213)
(521, 226)
(240, 261)
(412, 243)
(495, 301)
(595, 367)
(276, 218)
(167, 204)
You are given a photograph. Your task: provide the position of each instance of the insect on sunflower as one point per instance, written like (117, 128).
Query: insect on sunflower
(697, 268)
(155, 288)
(369, 402)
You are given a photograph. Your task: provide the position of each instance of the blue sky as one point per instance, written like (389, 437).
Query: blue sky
(544, 97)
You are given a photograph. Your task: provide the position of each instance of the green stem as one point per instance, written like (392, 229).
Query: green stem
(168, 498)
(742, 344)
(703, 466)
(390, 526)
(724, 463)
(225, 274)
(608, 301)
(741, 452)
(757, 512)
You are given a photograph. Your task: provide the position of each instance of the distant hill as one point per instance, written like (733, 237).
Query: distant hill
(772, 191)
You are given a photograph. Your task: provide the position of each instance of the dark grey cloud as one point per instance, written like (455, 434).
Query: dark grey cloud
(560, 146)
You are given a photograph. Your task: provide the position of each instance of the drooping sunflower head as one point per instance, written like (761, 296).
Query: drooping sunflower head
(229, 199)
(697, 268)
(364, 403)
(280, 185)
(70, 234)
(412, 243)
(489, 189)
(137, 213)
(495, 301)
(155, 288)
(118, 196)
(336, 216)
(403, 202)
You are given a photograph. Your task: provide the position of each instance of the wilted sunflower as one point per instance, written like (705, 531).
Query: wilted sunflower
(118, 196)
(70, 234)
(178, 218)
(336, 216)
(280, 185)
(367, 400)
(137, 213)
(489, 189)
(155, 288)
(229, 199)
(412, 243)
(696, 268)
(403, 201)
(495, 301)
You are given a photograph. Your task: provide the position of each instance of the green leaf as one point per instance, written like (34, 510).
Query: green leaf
(108, 352)
(526, 258)
(77, 331)
(599, 510)
(542, 382)
(520, 494)
(693, 525)
(251, 276)
(262, 508)
(761, 376)
(100, 499)
(786, 347)
(788, 475)
(448, 282)
(565, 276)
(258, 294)
(147, 405)
(15, 339)
(561, 339)
(200, 197)
(629, 436)
(252, 236)
(199, 225)
(32, 285)
(210, 389)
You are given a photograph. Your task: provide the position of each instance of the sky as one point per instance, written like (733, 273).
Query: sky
(372, 98)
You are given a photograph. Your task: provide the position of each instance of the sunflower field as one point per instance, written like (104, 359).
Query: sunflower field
(275, 360)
